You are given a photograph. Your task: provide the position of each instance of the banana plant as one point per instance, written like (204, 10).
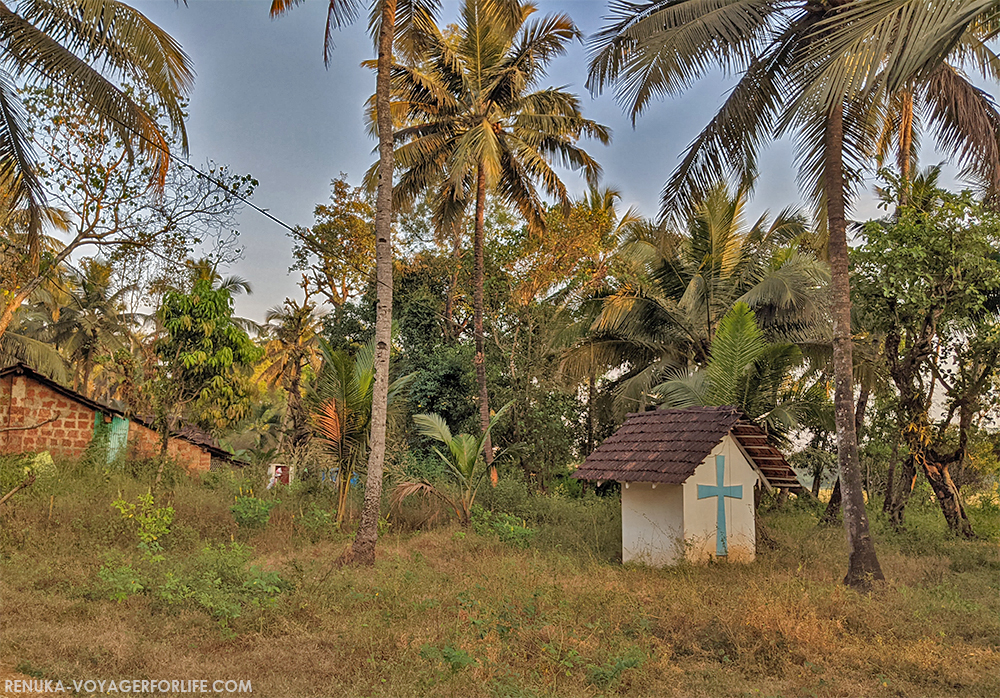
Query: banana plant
(464, 460)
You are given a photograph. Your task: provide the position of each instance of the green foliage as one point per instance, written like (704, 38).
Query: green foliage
(509, 529)
(201, 356)
(121, 582)
(252, 513)
(762, 379)
(342, 410)
(454, 659)
(602, 677)
(464, 461)
(337, 252)
(150, 523)
(317, 521)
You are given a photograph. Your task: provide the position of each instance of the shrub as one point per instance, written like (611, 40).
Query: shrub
(507, 528)
(149, 522)
(120, 582)
(250, 512)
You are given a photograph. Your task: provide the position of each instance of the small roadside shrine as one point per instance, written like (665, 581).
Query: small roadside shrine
(688, 479)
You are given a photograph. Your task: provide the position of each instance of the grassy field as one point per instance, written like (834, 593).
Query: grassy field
(530, 601)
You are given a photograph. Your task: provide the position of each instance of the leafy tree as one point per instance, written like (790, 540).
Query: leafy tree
(336, 253)
(108, 203)
(477, 125)
(931, 277)
(82, 48)
(200, 355)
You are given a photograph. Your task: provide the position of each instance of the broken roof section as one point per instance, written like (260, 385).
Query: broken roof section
(668, 446)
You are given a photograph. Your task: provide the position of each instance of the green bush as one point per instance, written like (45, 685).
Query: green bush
(317, 521)
(252, 513)
(149, 522)
(507, 528)
(120, 582)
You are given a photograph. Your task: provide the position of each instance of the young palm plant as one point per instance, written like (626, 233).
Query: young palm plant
(464, 460)
(343, 412)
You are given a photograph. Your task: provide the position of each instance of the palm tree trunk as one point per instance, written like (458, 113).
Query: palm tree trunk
(478, 274)
(833, 506)
(450, 330)
(362, 550)
(863, 567)
(903, 157)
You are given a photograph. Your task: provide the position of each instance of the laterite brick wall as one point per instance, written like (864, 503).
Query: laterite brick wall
(25, 402)
(145, 442)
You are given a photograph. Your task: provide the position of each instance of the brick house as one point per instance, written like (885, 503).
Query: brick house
(39, 414)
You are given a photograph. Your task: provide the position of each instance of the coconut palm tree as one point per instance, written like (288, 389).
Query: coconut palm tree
(758, 376)
(664, 313)
(389, 20)
(82, 48)
(295, 331)
(827, 71)
(92, 321)
(476, 124)
(912, 54)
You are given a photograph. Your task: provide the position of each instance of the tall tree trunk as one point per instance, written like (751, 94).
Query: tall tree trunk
(836, 498)
(908, 478)
(450, 330)
(891, 475)
(904, 156)
(362, 550)
(863, 566)
(478, 274)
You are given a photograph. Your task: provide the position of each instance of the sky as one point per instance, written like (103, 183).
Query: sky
(263, 103)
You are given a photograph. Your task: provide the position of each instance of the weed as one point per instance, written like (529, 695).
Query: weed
(252, 513)
(150, 523)
(605, 675)
(509, 529)
(454, 659)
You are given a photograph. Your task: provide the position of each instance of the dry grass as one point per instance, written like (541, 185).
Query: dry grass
(446, 612)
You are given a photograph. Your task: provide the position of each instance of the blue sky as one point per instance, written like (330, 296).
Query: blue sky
(263, 103)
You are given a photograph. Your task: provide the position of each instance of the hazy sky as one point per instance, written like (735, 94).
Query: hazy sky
(264, 104)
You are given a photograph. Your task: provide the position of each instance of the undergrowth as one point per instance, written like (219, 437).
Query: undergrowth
(529, 601)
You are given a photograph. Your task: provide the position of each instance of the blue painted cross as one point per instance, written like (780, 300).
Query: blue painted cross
(718, 490)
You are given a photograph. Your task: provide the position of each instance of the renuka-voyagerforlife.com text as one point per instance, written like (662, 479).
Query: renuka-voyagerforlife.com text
(127, 686)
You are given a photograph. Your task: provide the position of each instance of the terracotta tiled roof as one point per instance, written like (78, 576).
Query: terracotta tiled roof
(668, 445)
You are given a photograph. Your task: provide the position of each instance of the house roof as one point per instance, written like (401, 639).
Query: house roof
(667, 446)
(186, 433)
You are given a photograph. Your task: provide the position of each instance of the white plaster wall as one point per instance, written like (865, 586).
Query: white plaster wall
(700, 514)
(652, 523)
